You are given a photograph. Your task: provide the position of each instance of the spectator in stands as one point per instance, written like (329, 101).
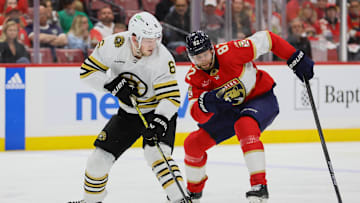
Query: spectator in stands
(15, 14)
(180, 19)
(241, 23)
(22, 34)
(294, 7)
(211, 23)
(50, 36)
(220, 8)
(354, 31)
(53, 16)
(21, 4)
(275, 23)
(11, 51)
(163, 8)
(67, 15)
(79, 6)
(119, 27)
(329, 26)
(308, 14)
(79, 36)
(297, 36)
(320, 8)
(105, 25)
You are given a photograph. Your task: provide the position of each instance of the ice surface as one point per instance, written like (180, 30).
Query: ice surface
(296, 173)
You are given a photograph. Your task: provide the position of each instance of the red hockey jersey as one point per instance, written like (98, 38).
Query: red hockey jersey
(234, 59)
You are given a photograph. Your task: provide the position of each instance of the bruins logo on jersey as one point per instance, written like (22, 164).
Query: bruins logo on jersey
(102, 136)
(118, 41)
(135, 81)
(233, 91)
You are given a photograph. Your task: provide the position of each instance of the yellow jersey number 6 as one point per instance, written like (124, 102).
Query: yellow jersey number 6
(172, 67)
(222, 48)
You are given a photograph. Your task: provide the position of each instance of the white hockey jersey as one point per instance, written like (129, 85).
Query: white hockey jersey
(154, 74)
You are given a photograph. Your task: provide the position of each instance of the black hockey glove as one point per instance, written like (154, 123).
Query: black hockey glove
(157, 128)
(209, 102)
(302, 65)
(122, 89)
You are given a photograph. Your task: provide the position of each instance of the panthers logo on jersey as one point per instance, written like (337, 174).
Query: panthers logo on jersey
(232, 91)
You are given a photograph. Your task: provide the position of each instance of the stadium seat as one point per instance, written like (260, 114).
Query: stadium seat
(150, 5)
(128, 4)
(90, 51)
(69, 55)
(45, 55)
(332, 55)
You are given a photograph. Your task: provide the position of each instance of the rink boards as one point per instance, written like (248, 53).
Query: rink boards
(47, 107)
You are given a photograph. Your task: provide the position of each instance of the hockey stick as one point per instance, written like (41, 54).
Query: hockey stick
(323, 143)
(134, 103)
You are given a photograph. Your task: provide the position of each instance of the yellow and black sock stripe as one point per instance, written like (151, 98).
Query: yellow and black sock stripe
(94, 185)
(163, 173)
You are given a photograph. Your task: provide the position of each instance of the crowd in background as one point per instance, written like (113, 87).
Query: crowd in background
(70, 29)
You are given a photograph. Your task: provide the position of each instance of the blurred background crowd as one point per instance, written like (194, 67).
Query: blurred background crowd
(68, 30)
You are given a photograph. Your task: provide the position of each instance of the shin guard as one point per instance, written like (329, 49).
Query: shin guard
(248, 133)
(162, 173)
(96, 175)
(195, 146)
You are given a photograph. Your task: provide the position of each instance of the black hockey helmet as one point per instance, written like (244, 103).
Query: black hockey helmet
(197, 43)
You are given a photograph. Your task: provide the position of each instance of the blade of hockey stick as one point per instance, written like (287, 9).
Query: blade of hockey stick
(323, 143)
(134, 103)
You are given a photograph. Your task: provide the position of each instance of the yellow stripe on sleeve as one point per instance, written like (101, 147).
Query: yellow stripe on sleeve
(175, 93)
(169, 83)
(270, 41)
(102, 66)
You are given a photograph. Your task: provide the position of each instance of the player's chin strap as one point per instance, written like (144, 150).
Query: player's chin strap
(134, 103)
(137, 48)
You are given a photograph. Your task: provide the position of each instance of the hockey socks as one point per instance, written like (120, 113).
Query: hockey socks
(162, 172)
(248, 133)
(195, 173)
(195, 147)
(96, 175)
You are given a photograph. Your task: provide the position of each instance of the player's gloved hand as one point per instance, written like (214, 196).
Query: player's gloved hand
(157, 128)
(209, 102)
(122, 89)
(302, 65)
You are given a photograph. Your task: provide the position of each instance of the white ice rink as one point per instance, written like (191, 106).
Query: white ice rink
(297, 173)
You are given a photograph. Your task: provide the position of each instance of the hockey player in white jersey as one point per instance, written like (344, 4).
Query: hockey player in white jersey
(135, 63)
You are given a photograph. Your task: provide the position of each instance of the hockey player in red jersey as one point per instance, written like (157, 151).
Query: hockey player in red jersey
(228, 96)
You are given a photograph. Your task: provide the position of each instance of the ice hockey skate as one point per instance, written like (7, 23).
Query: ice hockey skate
(195, 197)
(180, 201)
(258, 194)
